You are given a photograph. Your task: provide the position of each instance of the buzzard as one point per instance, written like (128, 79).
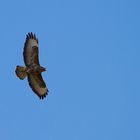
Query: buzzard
(32, 69)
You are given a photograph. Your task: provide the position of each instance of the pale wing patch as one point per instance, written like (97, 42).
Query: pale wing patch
(43, 90)
(32, 42)
(37, 85)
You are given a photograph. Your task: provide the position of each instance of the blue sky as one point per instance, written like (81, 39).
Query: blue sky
(91, 50)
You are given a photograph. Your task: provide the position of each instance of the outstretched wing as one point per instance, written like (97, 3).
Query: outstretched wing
(38, 85)
(30, 52)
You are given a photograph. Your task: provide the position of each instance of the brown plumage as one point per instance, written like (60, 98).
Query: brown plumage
(32, 69)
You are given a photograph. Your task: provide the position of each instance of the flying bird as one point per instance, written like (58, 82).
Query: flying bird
(32, 69)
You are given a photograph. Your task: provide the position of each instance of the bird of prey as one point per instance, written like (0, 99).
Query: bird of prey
(32, 69)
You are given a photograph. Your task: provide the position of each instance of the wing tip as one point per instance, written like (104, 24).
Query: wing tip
(43, 96)
(31, 35)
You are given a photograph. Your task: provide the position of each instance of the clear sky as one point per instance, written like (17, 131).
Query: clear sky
(91, 51)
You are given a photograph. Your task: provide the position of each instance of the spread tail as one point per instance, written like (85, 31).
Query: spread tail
(21, 72)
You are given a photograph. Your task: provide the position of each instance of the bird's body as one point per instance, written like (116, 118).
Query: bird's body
(32, 69)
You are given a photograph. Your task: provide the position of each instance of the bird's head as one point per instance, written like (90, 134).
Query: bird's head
(42, 69)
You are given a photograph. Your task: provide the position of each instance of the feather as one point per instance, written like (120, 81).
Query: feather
(30, 42)
(21, 72)
(38, 85)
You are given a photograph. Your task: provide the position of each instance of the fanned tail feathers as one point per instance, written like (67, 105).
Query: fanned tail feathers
(21, 72)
